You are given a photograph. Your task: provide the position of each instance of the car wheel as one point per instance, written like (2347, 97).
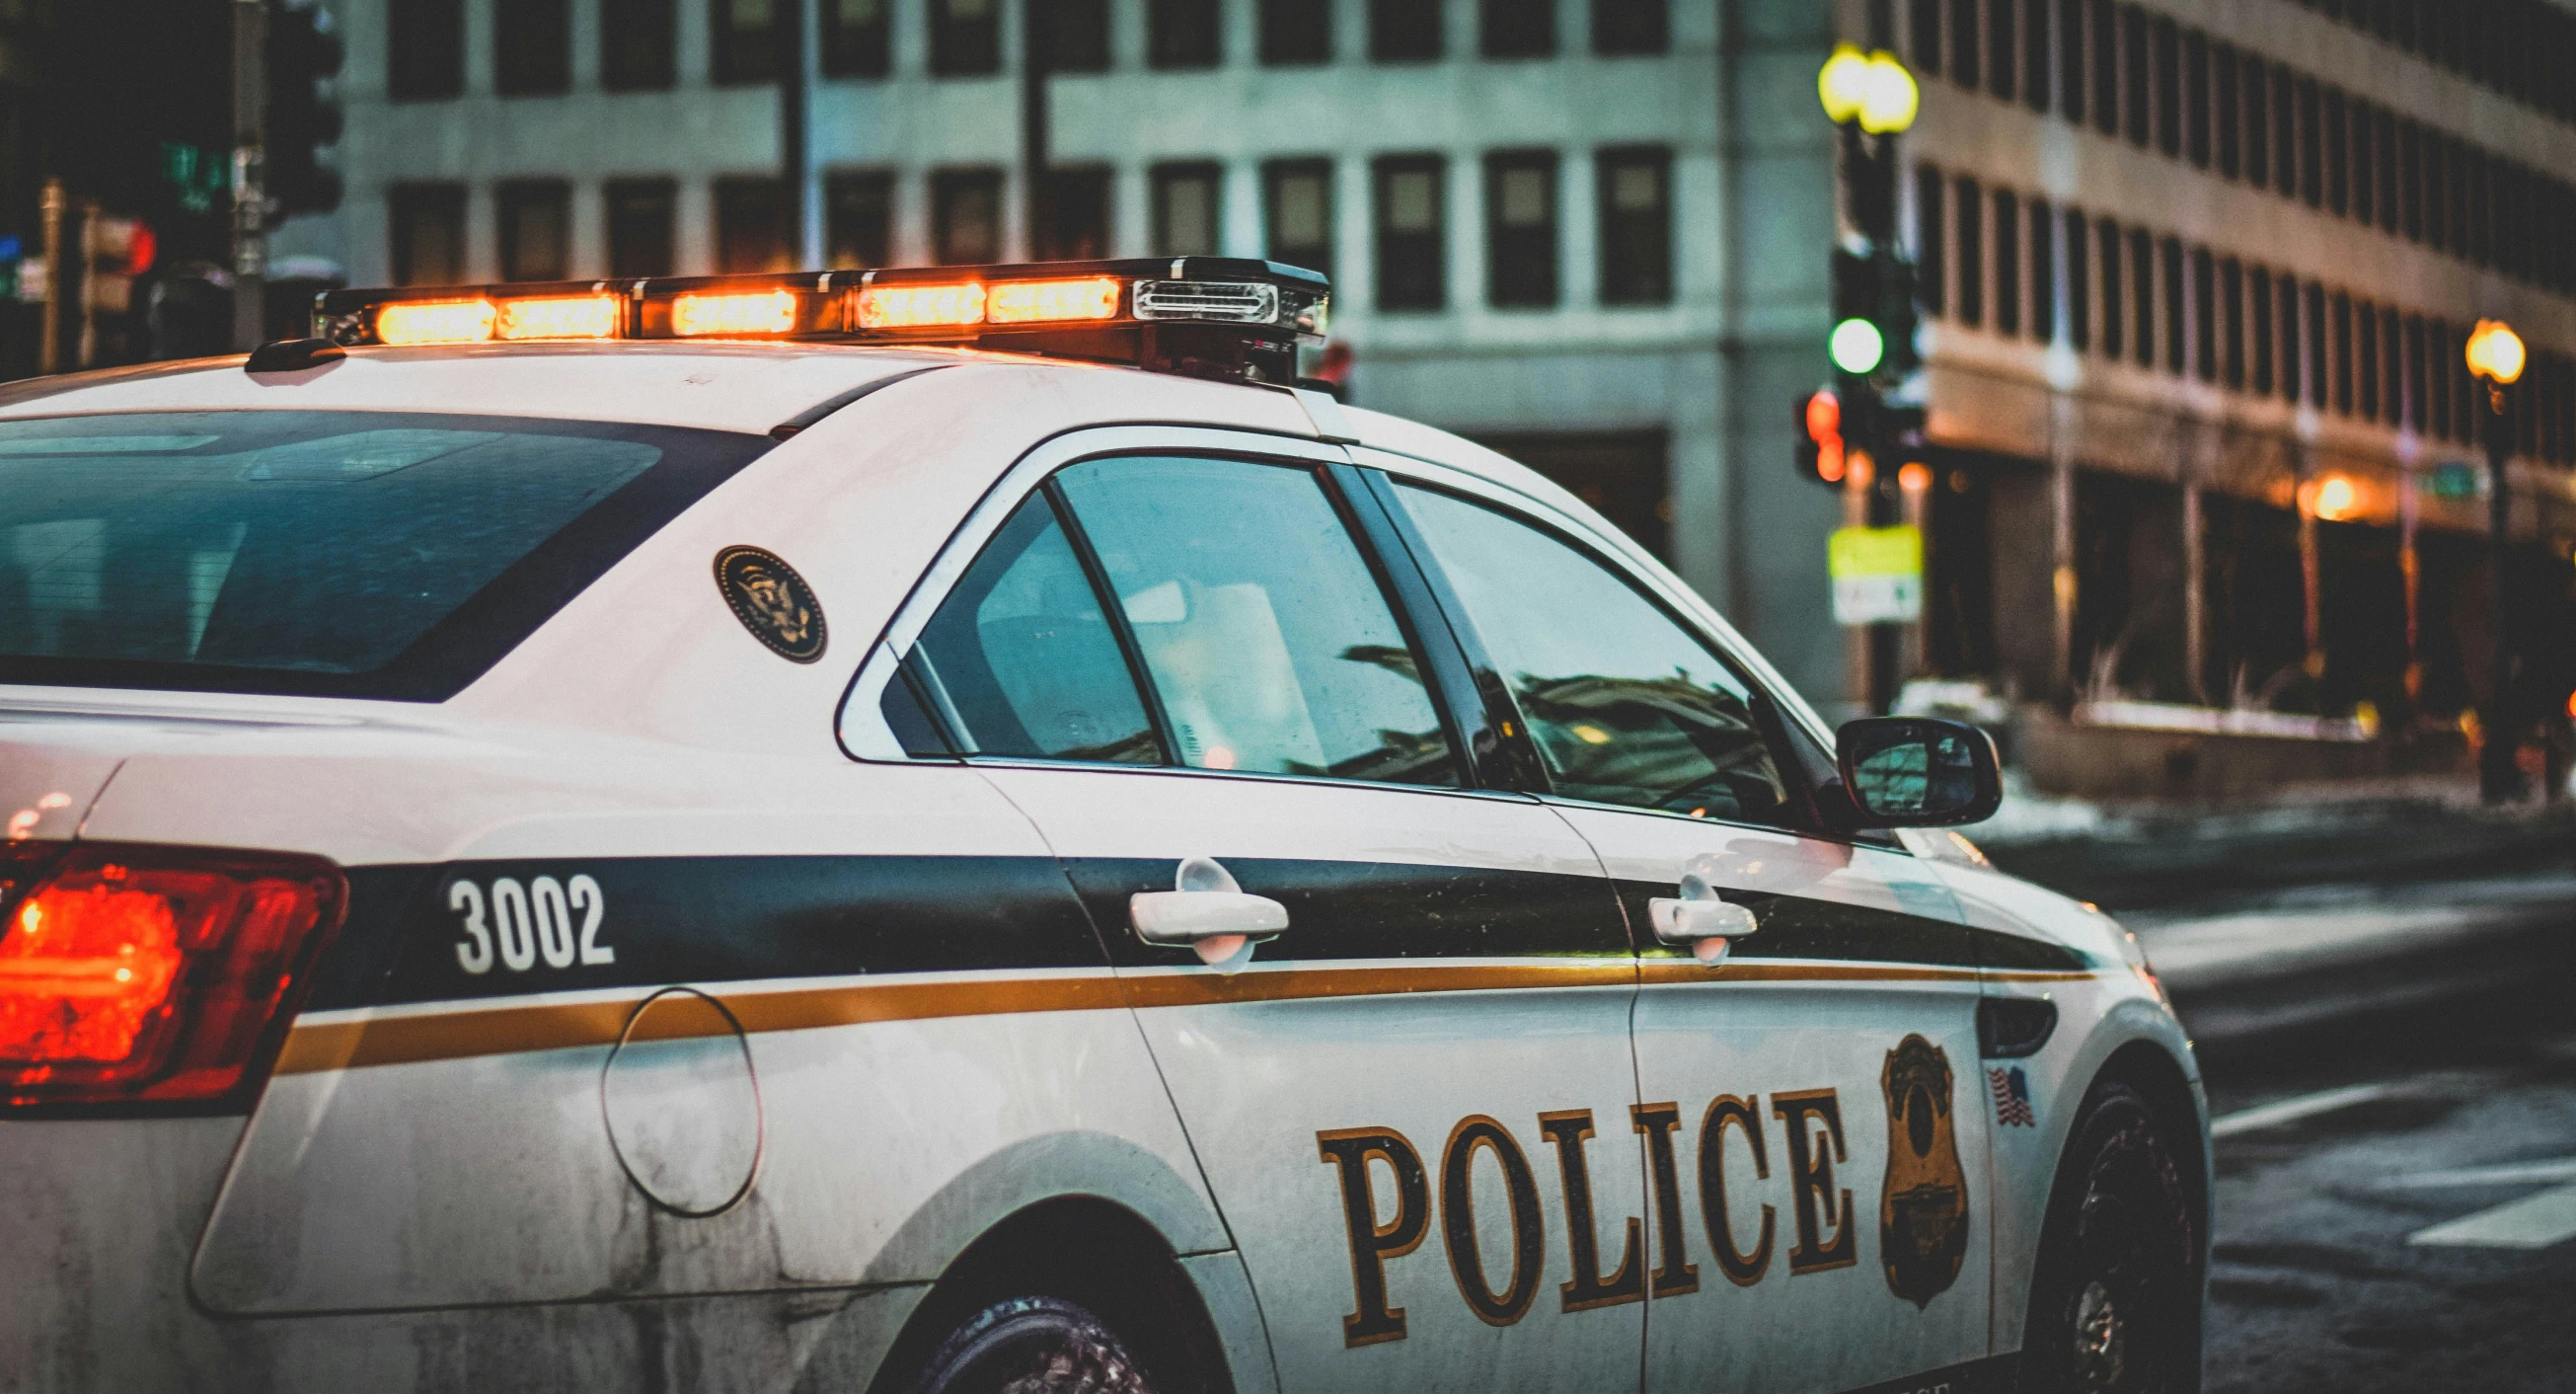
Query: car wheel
(2115, 1294)
(1032, 1345)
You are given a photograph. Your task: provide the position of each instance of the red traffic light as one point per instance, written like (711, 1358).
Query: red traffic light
(1821, 455)
(1824, 415)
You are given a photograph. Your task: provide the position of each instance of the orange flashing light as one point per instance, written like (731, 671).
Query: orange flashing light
(920, 306)
(1829, 459)
(1914, 477)
(558, 317)
(759, 312)
(435, 322)
(1029, 302)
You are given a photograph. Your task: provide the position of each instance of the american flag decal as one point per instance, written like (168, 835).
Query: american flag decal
(2011, 1089)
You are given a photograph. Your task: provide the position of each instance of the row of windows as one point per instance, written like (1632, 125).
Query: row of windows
(532, 39)
(1993, 258)
(2525, 49)
(2176, 90)
(1409, 215)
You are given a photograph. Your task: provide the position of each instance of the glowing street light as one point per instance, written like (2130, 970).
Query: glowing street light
(2495, 355)
(1871, 88)
(1844, 83)
(2495, 352)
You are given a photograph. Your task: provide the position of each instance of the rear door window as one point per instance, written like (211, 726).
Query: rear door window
(358, 554)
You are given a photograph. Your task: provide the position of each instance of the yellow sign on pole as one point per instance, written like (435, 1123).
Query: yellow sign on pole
(1877, 574)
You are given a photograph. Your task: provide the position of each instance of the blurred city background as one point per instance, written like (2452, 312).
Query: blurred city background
(2163, 455)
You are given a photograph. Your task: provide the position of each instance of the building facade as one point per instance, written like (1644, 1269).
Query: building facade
(2194, 274)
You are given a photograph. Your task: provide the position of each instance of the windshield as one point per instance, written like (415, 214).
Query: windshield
(365, 554)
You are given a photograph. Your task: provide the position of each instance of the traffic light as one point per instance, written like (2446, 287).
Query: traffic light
(1874, 317)
(1820, 437)
(302, 54)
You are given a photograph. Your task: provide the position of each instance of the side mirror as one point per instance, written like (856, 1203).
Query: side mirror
(1917, 771)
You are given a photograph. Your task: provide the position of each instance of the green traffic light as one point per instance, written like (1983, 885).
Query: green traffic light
(1856, 346)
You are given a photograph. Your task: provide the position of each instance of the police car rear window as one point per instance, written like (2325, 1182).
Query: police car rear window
(335, 553)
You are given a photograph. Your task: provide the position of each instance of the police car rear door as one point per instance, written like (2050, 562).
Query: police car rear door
(1391, 1007)
(1809, 1089)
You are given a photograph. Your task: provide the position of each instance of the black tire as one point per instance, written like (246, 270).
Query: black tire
(1032, 1345)
(2115, 1292)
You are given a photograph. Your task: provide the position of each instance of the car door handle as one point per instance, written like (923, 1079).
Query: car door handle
(1699, 921)
(1208, 912)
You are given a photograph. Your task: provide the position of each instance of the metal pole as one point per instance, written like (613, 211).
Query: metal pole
(49, 349)
(1037, 38)
(250, 172)
(2499, 778)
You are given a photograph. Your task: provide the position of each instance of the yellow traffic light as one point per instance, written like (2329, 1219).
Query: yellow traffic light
(2495, 352)
(1844, 83)
(1889, 97)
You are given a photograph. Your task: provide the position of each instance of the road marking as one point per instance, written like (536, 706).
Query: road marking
(2533, 1222)
(2292, 1110)
(2541, 1173)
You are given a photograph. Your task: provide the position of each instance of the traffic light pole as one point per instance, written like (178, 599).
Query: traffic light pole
(2499, 776)
(250, 172)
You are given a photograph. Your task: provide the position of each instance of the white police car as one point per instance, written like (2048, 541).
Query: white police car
(714, 835)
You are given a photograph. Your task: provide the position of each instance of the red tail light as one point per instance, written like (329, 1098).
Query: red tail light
(136, 974)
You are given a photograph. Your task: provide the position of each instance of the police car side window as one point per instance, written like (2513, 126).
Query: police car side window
(1019, 660)
(1626, 705)
(1266, 637)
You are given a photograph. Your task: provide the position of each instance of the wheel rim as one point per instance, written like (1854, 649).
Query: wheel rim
(2130, 1295)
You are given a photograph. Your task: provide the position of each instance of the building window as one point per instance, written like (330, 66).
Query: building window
(1966, 40)
(2318, 365)
(1972, 252)
(1412, 260)
(2285, 133)
(1922, 33)
(2441, 351)
(1077, 214)
(2043, 272)
(2079, 283)
(1187, 202)
(2195, 98)
(1404, 31)
(1081, 37)
(1931, 240)
(2204, 315)
(746, 40)
(2230, 99)
(2258, 298)
(2385, 124)
(424, 50)
(2258, 124)
(2337, 137)
(2410, 180)
(965, 37)
(2142, 276)
(858, 219)
(640, 217)
(2034, 54)
(2115, 291)
(428, 227)
(532, 48)
(2392, 369)
(2007, 262)
(1624, 27)
(1297, 213)
(2134, 91)
(536, 230)
(2104, 32)
(2070, 60)
(2231, 335)
(2343, 365)
(965, 216)
(2411, 414)
(2176, 346)
(2312, 184)
(1520, 228)
(856, 42)
(1181, 33)
(1516, 28)
(2294, 373)
(751, 226)
(638, 45)
(2002, 62)
(1296, 32)
(2168, 86)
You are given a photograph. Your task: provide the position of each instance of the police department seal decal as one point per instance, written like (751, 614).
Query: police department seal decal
(1923, 1209)
(772, 601)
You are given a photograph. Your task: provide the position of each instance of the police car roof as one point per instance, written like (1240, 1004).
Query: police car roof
(725, 386)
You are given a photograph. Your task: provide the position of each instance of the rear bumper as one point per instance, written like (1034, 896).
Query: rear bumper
(103, 1221)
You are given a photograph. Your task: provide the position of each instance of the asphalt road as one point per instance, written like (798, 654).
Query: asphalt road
(2396, 1200)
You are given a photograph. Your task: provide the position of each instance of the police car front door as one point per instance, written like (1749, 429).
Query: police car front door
(1409, 1085)
(1817, 1143)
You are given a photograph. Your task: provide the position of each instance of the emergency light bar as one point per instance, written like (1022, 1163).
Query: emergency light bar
(1222, 317)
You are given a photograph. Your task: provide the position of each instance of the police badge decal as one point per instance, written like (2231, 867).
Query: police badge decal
(1923, 1210)
(772, 601)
